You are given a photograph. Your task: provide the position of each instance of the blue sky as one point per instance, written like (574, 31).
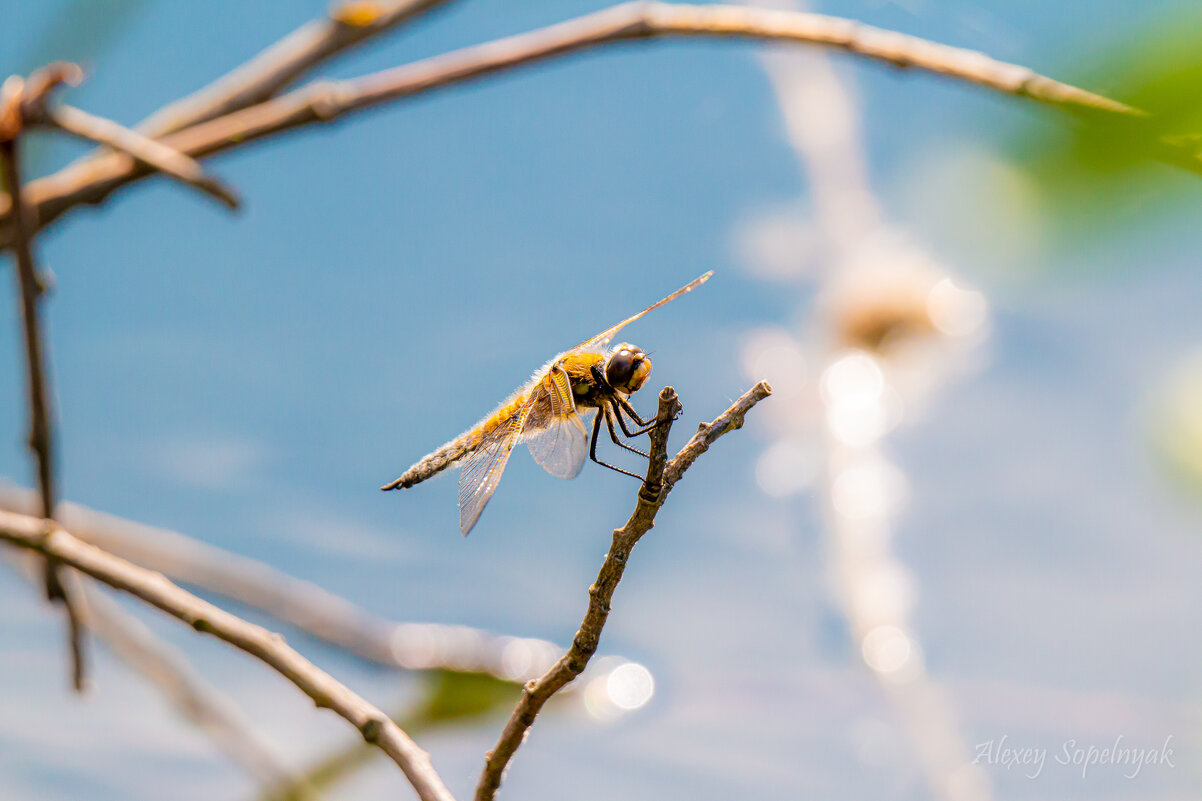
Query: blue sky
(252, 379)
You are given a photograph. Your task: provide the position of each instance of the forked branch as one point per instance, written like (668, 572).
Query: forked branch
(662, 475)
(27, 106)
(150, 152)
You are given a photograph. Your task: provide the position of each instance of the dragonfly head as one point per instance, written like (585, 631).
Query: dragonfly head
(627, 368)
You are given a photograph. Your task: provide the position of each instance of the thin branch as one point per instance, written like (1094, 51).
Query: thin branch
(584, 644)
(28, 108)
(41, 432)
(155, 154)
(94, 180)
(65, 588)
(196, 700)
(299, 603)
(661, 476)
(349, 24)
(202, 704)
(280, 65)
(708, 433)
(46, 538)
(31, 287)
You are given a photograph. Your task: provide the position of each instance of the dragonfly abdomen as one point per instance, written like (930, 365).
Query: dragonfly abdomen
(433, 464)
(446, 456)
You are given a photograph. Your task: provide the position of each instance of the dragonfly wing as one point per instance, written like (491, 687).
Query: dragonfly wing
(561, 447)
(482, 469)
(553, 429)
(605, 337)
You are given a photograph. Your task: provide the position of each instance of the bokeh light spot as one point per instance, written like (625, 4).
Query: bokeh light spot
(955, 311)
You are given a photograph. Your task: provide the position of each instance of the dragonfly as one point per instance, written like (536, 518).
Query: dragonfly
(550, 414)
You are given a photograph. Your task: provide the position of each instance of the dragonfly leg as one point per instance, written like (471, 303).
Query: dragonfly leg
(609, 413)
(623, 406)
(592, 452)
(607, 389)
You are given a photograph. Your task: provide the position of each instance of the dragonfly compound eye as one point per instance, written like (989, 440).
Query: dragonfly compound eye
(627, 369)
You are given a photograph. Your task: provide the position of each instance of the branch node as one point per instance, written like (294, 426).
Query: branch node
(44, 281)
(12, 117)
(202, 625)
(39, 86)
(371, 730)
(357, 13)
(327, 99)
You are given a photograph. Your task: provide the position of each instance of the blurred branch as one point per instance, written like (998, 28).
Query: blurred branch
(662, 475)
(195, 699)
(300, 603)
(199, 702)
(95, 179)
(155, 154)
(14, 93)
(448, 698)
(349, 24)
(48, 539)
(30, 110)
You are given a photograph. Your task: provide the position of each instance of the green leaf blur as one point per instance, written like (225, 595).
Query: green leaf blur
(448, 698)
(1109, 170)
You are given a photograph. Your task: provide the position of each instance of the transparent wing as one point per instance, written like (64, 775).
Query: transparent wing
(561, 447)
(482, 469)
(601, 340)
(553, 430)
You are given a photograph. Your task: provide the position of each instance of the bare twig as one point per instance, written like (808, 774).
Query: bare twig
(92, 181)
(165, 159)
(28, 107)
(661, 476)
(299, 603)
(31, 287)
(46, 538)
(208, 708)
(65, 588)
(584, 644)
(41, 432)
(22, 101)
(708, 433)
(280, 65)
(349, 24)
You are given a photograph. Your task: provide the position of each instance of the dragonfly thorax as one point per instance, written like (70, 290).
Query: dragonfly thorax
(627, 368)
